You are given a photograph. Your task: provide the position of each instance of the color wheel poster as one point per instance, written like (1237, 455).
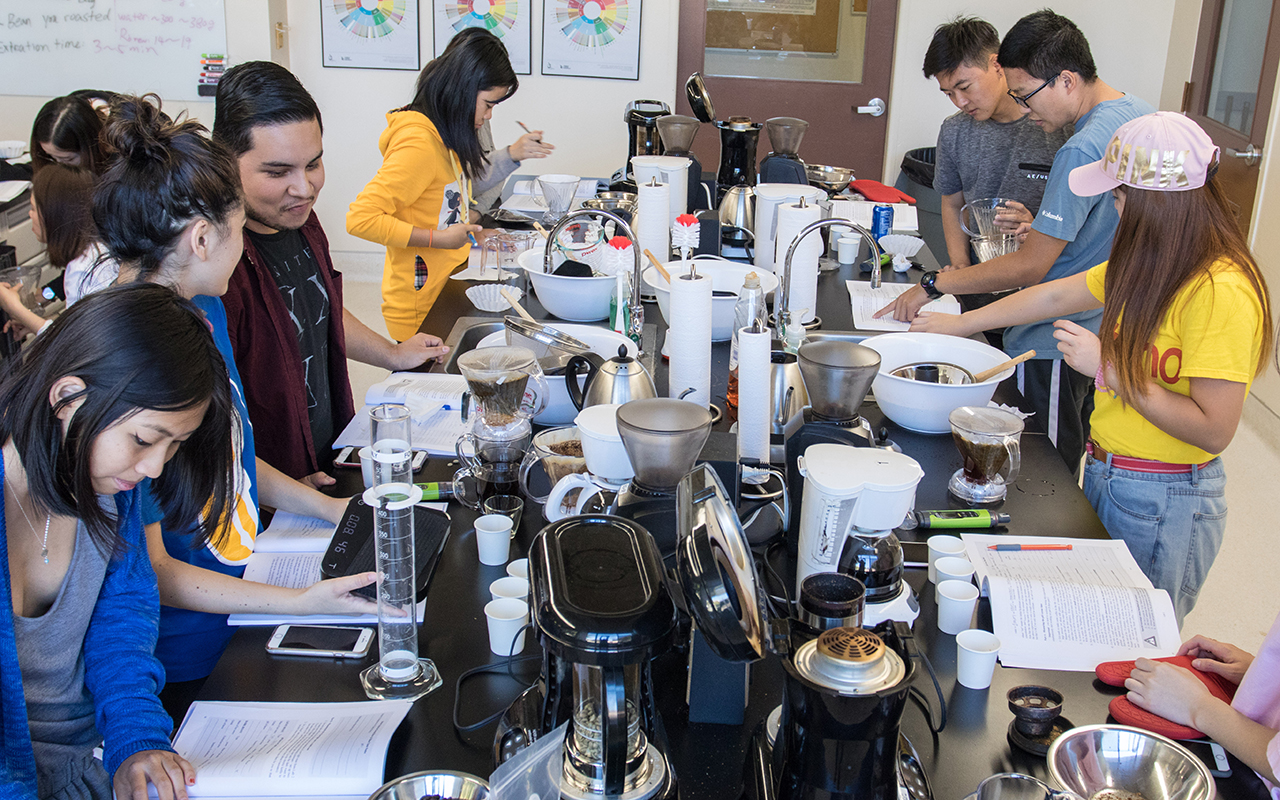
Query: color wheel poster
(509, 20)
(591, 38)
(369, 34)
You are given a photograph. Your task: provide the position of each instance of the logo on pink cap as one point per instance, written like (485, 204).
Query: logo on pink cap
(1164, 151)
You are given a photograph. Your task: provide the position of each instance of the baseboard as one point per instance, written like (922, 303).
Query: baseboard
(360, 266)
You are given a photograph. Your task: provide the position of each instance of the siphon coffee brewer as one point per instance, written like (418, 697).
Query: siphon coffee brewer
(988, 441)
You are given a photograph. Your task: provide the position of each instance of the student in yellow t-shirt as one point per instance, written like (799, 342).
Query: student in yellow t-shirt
(419, 202)
(1191, 322)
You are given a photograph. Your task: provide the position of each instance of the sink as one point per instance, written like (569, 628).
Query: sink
(466, 336)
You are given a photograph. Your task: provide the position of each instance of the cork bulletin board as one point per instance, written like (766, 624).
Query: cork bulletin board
(803, 26)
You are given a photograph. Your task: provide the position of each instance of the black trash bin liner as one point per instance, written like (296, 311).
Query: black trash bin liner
(918, 165)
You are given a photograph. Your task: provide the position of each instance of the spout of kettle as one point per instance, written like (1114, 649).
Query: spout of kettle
(780, 417)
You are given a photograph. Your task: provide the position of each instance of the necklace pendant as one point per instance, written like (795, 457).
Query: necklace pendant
(44, 552)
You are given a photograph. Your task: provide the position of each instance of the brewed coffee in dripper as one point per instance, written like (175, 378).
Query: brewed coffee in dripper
(988, 441)
(499, 379)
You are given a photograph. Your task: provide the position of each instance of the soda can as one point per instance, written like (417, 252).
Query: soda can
(881, 221)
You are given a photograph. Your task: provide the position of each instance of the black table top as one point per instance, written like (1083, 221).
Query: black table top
(708, 758)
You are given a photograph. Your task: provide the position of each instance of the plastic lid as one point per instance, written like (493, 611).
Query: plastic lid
(842, 470)
(600, 421)
(986, 421)
(788, 191)
(751, 281)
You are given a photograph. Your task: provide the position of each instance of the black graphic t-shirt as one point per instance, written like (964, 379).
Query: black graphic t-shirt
(297, 275)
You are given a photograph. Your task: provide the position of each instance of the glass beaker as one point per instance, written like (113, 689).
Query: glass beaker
(988, 440)
(399, 673)
(559, 450)
(500, 252)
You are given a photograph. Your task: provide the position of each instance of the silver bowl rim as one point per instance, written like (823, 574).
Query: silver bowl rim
(1195, 762)
(444, 772)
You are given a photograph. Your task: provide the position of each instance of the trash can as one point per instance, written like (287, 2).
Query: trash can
(916, 179)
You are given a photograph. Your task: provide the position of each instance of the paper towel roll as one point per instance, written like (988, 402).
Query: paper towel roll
(653, 211)
(675, 173)
(803, 292)
(753, 394)
(689, 338)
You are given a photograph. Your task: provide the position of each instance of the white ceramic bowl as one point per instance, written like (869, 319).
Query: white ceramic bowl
(924, 407)
(12, 148)
(560, 409)
(725, 277)
(573, 299)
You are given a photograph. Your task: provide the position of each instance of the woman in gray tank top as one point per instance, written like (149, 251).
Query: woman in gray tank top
(125, 386)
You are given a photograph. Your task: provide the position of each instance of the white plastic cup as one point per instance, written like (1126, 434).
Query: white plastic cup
(514, 587)
(951, 568)
(519, 568)
(493, 539)
(847, 249)
(940, 547)
(506, 616)
(976, 653)
(956, 601)
(366, 466)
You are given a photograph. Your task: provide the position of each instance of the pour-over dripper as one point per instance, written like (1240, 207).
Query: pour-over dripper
(506, 383)
(785, 134)
(677, 132)
(837, 376)
(663, 438)
(557, 191)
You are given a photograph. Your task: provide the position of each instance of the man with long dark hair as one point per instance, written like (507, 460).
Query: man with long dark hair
(1051, 72)
(288, 327)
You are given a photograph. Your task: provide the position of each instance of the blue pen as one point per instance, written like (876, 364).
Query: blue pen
(472, 237)
(1026, 547)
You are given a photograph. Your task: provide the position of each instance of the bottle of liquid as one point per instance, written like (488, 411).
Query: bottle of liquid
(749, 309)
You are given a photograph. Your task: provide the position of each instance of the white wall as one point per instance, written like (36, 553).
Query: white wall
(1130, 44)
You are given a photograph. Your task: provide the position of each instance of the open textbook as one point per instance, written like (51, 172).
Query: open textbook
(434, 400)
(1071, 609)
(247, 750)
(867, 301)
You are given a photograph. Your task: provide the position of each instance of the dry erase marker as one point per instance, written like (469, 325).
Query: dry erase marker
(1014, 548)
(960, 518)
(472, 237)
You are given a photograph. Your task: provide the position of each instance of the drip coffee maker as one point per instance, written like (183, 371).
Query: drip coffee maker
(641, 118)
(663, 438)
(783, 164)
(738, 139)
(853, 499)
(507, 387)
(677, 132)
(837, 376)
(988, 439)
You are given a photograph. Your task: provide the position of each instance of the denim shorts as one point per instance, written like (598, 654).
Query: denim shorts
(1173, 524)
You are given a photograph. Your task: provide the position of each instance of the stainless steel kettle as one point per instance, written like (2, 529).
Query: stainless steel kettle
(618, 380)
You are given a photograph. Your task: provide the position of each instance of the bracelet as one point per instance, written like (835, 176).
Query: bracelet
(431, 237)
(1100, 378)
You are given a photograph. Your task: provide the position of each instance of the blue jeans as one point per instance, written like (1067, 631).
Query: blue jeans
(1173, 524)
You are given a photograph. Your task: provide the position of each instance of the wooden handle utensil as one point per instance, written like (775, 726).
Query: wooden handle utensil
(998, 368)
(510, 298)
(658, 266)
(537, 226)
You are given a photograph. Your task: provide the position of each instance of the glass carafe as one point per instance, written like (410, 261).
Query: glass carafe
(988, 440)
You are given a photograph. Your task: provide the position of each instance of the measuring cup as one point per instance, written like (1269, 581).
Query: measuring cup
(500, 251)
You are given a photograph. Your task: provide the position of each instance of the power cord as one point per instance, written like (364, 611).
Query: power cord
(923, 701)
(504, 665)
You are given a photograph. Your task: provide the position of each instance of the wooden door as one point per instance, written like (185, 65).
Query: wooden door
(1232, 81)
(819, 60)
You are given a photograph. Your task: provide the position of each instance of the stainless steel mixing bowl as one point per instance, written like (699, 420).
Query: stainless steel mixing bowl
(1100, 762)
(419, 785)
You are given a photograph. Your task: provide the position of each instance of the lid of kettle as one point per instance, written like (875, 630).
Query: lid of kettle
(623, 356)
(717, 571)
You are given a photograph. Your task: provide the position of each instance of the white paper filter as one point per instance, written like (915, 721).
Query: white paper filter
(653, 209)
(753, 394)
(689, 339)
(803, 292)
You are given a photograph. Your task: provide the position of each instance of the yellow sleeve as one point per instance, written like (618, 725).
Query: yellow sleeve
(410, 165)
(1096, 279)
(1221, 326)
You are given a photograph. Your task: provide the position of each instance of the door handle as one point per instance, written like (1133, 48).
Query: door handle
(875, 108)
(1250, 154)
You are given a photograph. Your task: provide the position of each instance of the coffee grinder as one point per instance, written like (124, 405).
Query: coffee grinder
(601, 612)
(677, 133)
(853, 499)
(837, 376)
(783, 164)
(641, 118)
(663, 438)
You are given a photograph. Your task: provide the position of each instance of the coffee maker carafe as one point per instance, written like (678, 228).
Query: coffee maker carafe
(783, 164)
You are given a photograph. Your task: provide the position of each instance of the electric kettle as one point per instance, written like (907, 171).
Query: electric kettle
(619, 380)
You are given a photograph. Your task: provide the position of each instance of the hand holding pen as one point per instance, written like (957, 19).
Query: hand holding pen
(530, 145)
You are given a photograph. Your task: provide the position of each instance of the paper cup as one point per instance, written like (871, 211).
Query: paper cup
(950, 568)
(506, 617)
(514, 587)
(366, 466)
(493, 539)
(941, 547)
(976, 653)
(519, 568)
(956, 600)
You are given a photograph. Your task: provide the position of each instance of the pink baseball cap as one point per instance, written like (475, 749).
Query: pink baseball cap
(1163, 152)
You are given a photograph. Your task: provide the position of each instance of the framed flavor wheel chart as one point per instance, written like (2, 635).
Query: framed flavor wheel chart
(509, 20)
(591, 38)
(370, 34)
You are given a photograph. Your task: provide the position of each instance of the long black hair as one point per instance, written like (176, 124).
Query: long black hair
(68, 123)
(164, 174)
(136, 347)
(475, 61)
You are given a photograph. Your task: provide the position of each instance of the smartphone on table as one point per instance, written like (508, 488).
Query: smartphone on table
(324, 641)
(349, 457)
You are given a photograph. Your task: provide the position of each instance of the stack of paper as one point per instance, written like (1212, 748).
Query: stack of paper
(905, 219)
(434, 400)
(867, 301)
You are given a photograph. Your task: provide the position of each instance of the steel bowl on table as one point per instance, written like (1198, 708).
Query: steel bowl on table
(830, 179)
(429, 785)
(1115, 762)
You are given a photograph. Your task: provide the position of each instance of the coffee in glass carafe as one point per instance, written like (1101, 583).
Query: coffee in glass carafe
(988, 441)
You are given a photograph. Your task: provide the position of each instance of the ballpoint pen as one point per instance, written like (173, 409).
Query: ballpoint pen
(1018, 547)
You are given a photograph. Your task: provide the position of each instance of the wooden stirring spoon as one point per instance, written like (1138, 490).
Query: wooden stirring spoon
(998, 368)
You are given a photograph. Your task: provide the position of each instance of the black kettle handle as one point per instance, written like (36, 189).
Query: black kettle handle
(576, 392)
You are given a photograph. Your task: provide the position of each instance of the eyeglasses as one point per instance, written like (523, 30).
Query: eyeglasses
(1022, 101)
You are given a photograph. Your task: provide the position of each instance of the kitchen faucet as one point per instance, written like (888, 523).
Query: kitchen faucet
(781, 306)
(636, 326)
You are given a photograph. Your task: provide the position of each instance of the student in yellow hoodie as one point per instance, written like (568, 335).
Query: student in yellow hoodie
(417, 204)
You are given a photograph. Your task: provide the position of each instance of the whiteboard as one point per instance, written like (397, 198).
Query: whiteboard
(53, 47)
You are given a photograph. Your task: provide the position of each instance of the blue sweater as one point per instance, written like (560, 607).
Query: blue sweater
(120, 670)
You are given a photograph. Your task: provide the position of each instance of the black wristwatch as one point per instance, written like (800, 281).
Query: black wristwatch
(927, 283)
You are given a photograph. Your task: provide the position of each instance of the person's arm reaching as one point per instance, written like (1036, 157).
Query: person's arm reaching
(367, 347)
(1065, 296)
(957, 240)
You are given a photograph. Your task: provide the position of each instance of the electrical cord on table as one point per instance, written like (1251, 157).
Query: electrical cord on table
(490, 668)
(923, 701)
(773, 575)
